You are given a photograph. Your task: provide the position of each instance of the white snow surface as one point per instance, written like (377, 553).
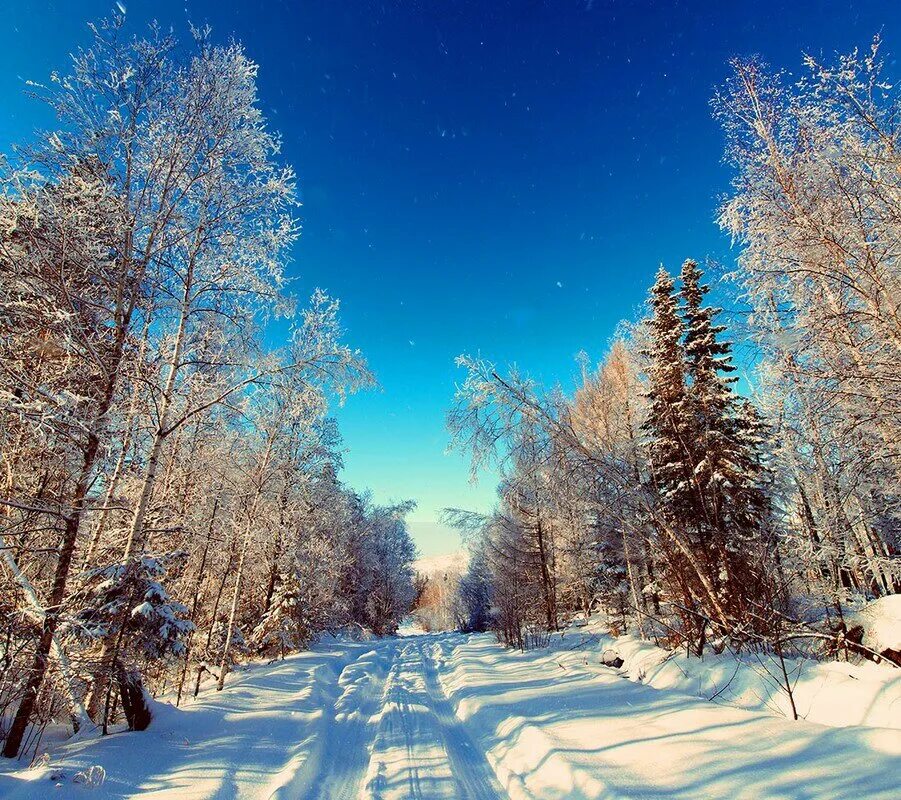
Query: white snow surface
(557, 725)
(834, 693)
(881, 623)
(454, 716)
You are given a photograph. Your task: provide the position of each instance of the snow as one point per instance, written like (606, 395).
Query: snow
(833, 693)
(348, 719)
(881, 623)
(554, 726)
(145, 609)
(454, 716)
(420, 748)
(251, 740)
(410, 626)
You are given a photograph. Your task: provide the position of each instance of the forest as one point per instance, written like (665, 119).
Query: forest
(171, 505)
(700, 502)
(170, 499)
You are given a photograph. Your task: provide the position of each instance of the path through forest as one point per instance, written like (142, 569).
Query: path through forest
(454, 716)
(396, 736)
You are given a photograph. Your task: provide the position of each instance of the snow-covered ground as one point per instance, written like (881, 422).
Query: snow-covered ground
(834, 693)
(260, 737)
(556, 724)
(454, 716)
(348, 720)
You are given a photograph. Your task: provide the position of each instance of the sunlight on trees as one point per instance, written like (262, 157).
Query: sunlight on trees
(658, 493)
(170, 500)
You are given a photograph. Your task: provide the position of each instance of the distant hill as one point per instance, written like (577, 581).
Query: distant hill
(447, 562)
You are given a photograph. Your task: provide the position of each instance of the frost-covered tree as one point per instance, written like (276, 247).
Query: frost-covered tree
(475, 592)
(143, 409)
(181, 151)
(671, 500)
(61, 279)
(815, 210)
(389, 556)
(644, 490)
(606, 413)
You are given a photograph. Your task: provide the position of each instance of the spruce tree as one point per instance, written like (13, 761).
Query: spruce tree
(671, 453)
(282, 628)
(728, 475)
(666, 426)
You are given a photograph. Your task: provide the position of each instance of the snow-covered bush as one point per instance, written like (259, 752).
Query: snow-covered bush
(128, 602)
(283, 627)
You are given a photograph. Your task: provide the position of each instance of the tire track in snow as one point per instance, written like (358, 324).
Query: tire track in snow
(421, 750)
(348, 742)
(469, 764)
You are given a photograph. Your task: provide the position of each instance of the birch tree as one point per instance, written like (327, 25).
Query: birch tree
(815, 210)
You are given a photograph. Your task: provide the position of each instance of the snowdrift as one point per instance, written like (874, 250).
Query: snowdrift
(556, 723)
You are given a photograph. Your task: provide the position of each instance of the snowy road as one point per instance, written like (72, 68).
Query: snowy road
(396, 736)
(450, 716)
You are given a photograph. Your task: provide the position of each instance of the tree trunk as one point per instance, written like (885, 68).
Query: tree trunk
(223, 666)
(251, 514)
(550, 600)
(632, 584)
(134, 702)
(136, 532)
(198, 586)
(57, 595)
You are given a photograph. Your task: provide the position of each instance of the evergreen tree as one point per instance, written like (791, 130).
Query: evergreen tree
(729, 501)
(282, 628)
(126, 608)
(704, 452)
(666, 424)
(671, 457)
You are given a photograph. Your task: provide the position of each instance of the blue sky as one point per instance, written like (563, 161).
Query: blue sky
(494, 177)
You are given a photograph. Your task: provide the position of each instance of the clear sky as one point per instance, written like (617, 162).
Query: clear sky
(494, 177)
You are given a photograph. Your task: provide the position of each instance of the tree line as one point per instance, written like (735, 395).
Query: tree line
(690, 508)
(170, 501)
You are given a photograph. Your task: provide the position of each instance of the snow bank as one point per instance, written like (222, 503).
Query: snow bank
(834, 693)
(555, 723)
(258, 738)
(880, 622)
